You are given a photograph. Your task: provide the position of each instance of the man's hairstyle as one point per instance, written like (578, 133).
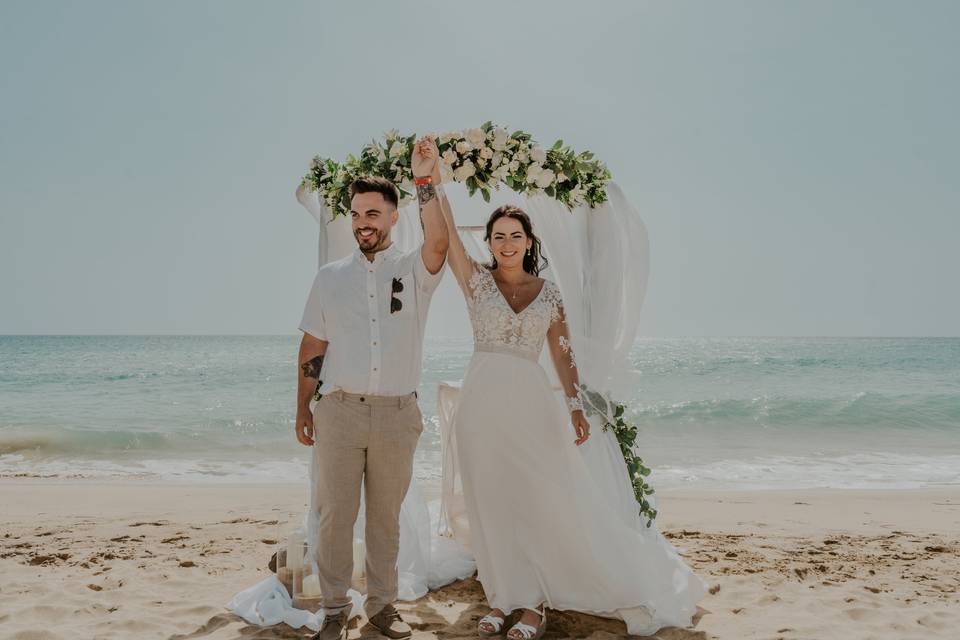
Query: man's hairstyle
(375, 184)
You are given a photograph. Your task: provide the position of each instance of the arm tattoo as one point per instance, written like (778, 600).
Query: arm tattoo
(426, 193)
(311, 369)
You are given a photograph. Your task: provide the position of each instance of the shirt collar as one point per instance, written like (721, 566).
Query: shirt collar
(378, 257)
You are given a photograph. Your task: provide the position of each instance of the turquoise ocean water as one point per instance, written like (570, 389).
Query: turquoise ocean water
(713, 413)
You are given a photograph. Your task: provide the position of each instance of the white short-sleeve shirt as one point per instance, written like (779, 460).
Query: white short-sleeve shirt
(371, 349)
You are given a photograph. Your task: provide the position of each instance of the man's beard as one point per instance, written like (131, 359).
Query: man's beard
(369, 244)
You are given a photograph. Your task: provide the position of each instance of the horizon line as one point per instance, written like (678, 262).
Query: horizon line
(293, 334)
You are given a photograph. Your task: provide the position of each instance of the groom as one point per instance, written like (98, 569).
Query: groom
(362, 335)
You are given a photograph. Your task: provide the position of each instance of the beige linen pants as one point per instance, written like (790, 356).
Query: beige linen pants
(368, 439)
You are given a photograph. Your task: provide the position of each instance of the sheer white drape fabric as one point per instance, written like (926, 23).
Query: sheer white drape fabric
(599, 259)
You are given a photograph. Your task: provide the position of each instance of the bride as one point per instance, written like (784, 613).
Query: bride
(543, 532)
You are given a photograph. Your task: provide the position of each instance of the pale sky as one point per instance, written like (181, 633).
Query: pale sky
(796, 163)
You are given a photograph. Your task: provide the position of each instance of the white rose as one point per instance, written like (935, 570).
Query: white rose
(514, 165)
(533, 172)
(545, 179)
(476, 136)
(538, 155)
(449, 156)
(495, 160)
(397, 149)
(446, 173)
(521, 156)
(463, 147)
(500, 138)
(446, 137)
(486, 153)
(501, 172)
(464, 171)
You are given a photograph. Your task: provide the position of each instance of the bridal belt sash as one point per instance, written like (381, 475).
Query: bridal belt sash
(507, 350)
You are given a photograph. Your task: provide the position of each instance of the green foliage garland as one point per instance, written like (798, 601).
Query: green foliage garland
(613, 413)
(483, 158)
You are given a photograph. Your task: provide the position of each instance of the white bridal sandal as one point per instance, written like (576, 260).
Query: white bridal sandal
(522, 631)
(494, 621)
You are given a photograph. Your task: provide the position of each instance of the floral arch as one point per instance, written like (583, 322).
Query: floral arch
(482, 159)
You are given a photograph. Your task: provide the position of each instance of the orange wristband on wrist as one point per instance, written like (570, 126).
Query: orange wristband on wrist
(426, 180)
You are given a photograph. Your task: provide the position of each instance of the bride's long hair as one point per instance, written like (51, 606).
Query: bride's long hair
(533, 261)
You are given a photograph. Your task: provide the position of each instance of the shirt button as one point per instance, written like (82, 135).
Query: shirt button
(373, 319)
(374, 368)
(374, 344)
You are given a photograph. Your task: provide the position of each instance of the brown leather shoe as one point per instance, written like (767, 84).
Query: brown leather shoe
(389, 623)
(334, 626)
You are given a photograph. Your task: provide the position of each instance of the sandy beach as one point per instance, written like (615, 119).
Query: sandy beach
(127, 560)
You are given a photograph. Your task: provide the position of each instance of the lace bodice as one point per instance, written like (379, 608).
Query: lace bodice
(496, 327)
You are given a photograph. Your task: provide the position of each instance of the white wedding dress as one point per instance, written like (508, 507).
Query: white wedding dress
(540, 526)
